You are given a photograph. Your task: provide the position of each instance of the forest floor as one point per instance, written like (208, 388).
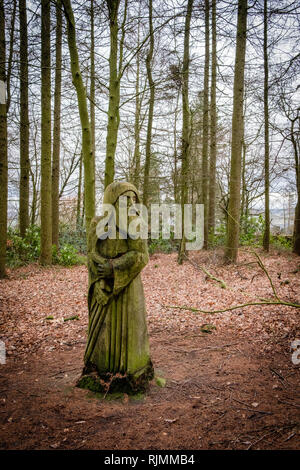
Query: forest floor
(233, 388)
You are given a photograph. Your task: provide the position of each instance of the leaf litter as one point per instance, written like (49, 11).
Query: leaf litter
(212, 381)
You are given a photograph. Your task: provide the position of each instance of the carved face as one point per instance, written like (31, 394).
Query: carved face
(128, 199)
(131, 198)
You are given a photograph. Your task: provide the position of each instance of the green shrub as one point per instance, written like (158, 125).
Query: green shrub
(161, 245)
(281, 241)
(68, 255)
(252, 229)
(219, 237)
(251, 232)
(21, 251)
(76, 238)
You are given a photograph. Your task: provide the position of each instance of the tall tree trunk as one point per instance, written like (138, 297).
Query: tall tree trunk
(114, 94)
(83, 205)
(204, 192)
(233, 228)
(266, 237)
(137, 152)
(46, 213)
(24, 122)
(56, 129)
(78, 215)
(3, 145)
(10, 54)
(151, 109)
(34, 202)
(92, 83)
(186, 125)
(176, 175)
(296, 235)
(244, 188)
(213, 126)
(87, 148)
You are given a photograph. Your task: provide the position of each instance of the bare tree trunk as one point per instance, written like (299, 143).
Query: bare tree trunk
(46, 213)
(10, 54)
(34, 179)
(186, 125)
(24, 122)
(137, 152)
(204, 192)
(83, 205)
(56, 129)
(244, 189)
(213, 126)
(87, 148)
(266, 237)
(78, 218)
(233, 228)
(114, 94)
(92, 84)
(296, 235)
(34, 204)
(176, 173)
(151, 109)
(3, 146)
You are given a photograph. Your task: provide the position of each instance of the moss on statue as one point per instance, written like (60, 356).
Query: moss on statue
(131, 384)
(117, 356)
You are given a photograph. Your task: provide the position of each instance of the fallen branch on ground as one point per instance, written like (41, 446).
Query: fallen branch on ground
(262, 266)
(277, 300)
(208, 274)
(235, 307)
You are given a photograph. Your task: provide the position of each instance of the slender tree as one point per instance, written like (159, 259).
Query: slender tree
(3, 145)
(244, 207)
(296, 147)
(56, 126)
(292, 134)
(213, 125)
(24, 122)
(137, 153)
(204, 192)
(87, 147)
(46, 213)
(114, 93)
(176, 174)
(266, 237)
(233, 227)
(151, 109)
(10, 54)
(78, 215)
(186, 125)
(92, 82)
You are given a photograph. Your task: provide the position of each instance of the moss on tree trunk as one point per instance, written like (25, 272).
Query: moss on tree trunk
(87, 147)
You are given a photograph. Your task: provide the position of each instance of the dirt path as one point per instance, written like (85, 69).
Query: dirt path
(236, 388)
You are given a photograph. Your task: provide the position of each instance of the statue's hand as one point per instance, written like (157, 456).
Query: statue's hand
(105, 270)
